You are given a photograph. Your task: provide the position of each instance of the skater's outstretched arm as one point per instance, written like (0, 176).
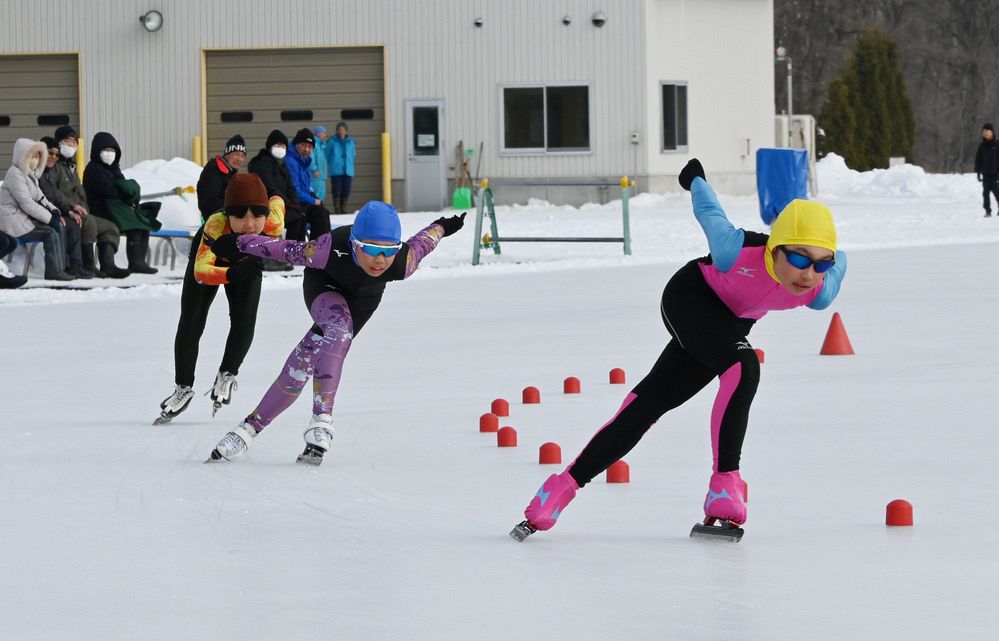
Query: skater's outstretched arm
(426, 240)
(725, 241)
(314, 253)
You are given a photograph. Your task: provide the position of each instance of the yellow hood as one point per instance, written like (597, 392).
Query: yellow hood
(802, 222)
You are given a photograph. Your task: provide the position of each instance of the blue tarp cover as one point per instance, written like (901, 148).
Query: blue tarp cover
(781, 176)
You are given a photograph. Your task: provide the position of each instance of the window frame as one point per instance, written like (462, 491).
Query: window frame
(544, 151)
(678, 148)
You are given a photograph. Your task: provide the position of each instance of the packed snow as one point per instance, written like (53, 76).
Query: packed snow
(114, 529)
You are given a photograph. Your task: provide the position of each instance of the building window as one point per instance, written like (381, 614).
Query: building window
(674, 116)
(546, 119)
(295, 115)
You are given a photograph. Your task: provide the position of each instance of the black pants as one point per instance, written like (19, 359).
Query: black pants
(7, 244)
(708, 341)
(195, 301)
(316, 217)
(990, 185)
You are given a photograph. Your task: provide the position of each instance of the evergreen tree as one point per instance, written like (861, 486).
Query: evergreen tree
(867, 115)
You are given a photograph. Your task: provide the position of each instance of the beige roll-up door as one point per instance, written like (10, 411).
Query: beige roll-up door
(251, 92)
(37, 94)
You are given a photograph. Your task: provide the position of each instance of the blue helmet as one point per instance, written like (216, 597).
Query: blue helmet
(377, 221)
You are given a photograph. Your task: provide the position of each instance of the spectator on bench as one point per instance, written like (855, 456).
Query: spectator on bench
(93, 229)
(113, 197)
(25, 213)
(216, 175)
(69, 221)
(8, 280)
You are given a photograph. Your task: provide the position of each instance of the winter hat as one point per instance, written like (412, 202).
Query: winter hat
(65, 131)
(304, 135)
(988, 126)
(320, 129)
(276, 137)
(50, 142)
(341, 124)
(377, 221)
(236, 143)
(245, 190)
(802, 222)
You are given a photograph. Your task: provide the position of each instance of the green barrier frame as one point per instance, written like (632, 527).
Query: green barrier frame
(486, 209)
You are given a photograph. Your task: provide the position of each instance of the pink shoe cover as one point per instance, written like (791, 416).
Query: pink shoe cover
(546, 506)
(725, 499)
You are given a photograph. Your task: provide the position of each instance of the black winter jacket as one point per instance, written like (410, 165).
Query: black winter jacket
(987, 158)
(99, 179)
(276, 179)
(212, 184)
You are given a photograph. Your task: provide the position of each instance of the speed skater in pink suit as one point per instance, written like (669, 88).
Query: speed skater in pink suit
(708, 308)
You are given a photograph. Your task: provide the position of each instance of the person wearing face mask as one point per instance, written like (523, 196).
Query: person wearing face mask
(25, 213)
(115, 198)
(245, 209)
(68, 223)
(93, 230)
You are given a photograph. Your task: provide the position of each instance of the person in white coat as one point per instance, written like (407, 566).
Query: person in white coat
(25, 213)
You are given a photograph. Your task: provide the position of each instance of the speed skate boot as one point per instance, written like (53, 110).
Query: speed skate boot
(547, 505)
(318, 439)
(221, 392)
(234, 444)
(725, 502)
(174, 404)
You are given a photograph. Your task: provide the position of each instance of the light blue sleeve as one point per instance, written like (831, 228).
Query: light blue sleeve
(830, 286)
(724, 240)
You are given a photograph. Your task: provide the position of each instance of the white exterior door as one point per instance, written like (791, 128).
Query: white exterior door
(426, 185)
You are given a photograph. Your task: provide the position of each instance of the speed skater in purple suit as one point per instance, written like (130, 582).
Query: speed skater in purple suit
(708, 308)
(345, 275)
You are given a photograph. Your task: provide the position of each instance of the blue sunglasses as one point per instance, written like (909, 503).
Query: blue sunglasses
(800, 261)
(377, 250)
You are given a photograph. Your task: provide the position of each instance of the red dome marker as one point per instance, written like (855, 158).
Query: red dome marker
(550, 454)
(488, 422)
(506, 437)
(619, 472)
(500, 407)
(532, 396)
(760, 355)
(899, 512)
(570, 385)
(617, 376)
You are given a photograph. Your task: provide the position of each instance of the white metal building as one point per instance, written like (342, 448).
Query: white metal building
(572, 90)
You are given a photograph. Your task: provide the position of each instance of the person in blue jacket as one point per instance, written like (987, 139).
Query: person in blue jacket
(340, 153)
(319, 168)
(299, 163)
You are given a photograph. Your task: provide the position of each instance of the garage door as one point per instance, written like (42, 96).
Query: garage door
(251, 92)
(37, 94)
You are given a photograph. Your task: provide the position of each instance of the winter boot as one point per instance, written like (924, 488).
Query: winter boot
(105, 254)
(234, 444)
(58, 275)
(175, 404)
(546, 506)
(221, 392)
(7, 278)
(341, 206)
(135, 249)
(988, 212)
(318, 439)
(87, 251)
(725, 499)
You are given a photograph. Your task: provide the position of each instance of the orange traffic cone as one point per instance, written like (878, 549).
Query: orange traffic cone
(837, 343)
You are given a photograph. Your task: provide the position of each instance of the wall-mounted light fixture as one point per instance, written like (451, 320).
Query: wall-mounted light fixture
(478, 22)
(152, 20)
(599, 19)
(566, 20)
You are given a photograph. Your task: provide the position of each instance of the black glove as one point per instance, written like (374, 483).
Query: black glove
(690, 171)
(451, 224)
(244, 270)
(225, 246)
(979, 178)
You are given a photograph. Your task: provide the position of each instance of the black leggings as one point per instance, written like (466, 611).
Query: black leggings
(708, 341)
(316, 216)
(990, 185)
(195, 301)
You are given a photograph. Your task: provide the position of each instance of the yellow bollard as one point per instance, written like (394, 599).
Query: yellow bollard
(386, 168)
(81, 160)
(485, 183)
(196, 151)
